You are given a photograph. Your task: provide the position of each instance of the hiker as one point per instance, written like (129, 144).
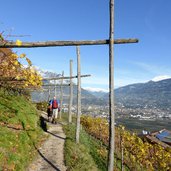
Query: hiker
(55, 108)
(49, 110)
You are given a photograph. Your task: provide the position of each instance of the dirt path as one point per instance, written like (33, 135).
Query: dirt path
(50, 155)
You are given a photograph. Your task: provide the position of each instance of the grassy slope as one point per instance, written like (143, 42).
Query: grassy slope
(89, 154)
(19, 132)
(77, 156)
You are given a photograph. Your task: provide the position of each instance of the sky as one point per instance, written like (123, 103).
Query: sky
(42, 20)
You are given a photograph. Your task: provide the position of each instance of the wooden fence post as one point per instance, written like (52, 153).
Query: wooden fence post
(49, 94)
(122, 154)
(111, 91)
(55, 89)
(71, 94)
(78, 95)
(61, 95)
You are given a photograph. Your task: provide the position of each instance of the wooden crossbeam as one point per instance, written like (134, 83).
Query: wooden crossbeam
(58, 85)
(71, 93)
(59, 78)
(33, 88)
(64, 43)
(11, 79)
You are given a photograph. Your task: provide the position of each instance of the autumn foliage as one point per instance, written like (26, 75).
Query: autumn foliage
(137, 154)
(15, 75)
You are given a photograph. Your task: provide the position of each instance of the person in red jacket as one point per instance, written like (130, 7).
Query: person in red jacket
(55, 108)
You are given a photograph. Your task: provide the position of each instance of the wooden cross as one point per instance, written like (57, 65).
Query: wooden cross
(110, 42)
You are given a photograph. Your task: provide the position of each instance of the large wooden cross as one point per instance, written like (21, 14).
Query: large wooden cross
(109, 42)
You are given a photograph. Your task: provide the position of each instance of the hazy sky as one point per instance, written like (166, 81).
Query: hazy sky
(147, 20)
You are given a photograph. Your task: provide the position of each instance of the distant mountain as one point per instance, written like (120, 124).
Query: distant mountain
(87, 97)
(149, 95)
(153, 94)
(98, 92)
(47, 74)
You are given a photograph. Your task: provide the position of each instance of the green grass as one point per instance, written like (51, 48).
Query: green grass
(77, 156)
(19, 132)
(89, 154)
(86, 154)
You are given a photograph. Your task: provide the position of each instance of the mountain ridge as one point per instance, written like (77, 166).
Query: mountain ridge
(151, 94)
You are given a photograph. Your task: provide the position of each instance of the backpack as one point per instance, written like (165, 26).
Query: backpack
(54, 104)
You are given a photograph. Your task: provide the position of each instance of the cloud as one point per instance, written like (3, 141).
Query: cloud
(161, 77)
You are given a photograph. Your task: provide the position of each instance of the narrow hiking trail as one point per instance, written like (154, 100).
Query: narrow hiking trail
(51, 154)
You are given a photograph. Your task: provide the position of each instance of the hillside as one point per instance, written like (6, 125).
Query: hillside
(149, 95)
(20, 131)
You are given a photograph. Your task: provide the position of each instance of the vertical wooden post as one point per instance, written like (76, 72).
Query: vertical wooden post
(61, 95)
(122, 155)
(71, 94)
(55, 88)
(111, 91)
(49, 94)
(78, 94)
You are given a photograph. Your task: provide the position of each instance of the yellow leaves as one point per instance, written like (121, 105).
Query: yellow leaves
(138, 153)
(102, 151)
(22, 55)
(16, 63)
(18, 42)
(32, 77)
(162, 165)
(143, 151)
(122, 127)
(149, 165)
(12, 66)
(133, 158)
(33, 70)
(40, 78)
(29, 62)
(14, 56)
(17, 77)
